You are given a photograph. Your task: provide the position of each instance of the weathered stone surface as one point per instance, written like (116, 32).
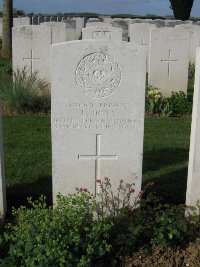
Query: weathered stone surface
(169, 60)
(98, 96)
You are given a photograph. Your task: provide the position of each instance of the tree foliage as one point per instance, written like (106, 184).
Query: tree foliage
(181, 8)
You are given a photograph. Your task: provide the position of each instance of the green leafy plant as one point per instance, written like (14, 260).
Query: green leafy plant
(68, 235)
(191, 71)
(25, 93)
(180, 103)
(177, 104)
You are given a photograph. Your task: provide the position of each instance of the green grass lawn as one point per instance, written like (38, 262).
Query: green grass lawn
(27, 147)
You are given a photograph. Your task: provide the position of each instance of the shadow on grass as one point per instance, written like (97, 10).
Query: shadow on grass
(17, 195)
(171, 187)
(157, 159)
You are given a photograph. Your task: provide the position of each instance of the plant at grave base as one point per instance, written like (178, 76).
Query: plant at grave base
(114, 205)
(122, 208)
(68, 235)
(191, 71)
(180, 103)
(166, 108)
(24, 93)
(153, 100)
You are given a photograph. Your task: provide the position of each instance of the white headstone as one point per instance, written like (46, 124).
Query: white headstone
(91, 24)
(140, 34)
(71, 29)
(34, 20)
(98, 95)
(194, 33)
(158, 22)
(102, 33)
(123, 24)
(21, 21)
(79, 26)
(93, 20)
(193, 182)
(58, 31)
(3, 206)
(31, 46)
(169, 60)
(173, 23)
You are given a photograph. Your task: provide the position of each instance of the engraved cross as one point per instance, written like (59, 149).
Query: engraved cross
(32, 59)
(169, 60)
(98, 157)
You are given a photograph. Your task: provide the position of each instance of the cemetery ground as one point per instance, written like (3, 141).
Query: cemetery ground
(27, 153)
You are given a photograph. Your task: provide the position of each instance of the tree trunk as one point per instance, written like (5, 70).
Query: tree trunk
(181, 8)
(7, 29)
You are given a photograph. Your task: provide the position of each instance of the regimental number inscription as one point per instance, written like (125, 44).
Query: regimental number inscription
(98, 75)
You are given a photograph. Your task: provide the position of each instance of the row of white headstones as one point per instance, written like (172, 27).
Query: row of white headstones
(169, 49)
(97, 118)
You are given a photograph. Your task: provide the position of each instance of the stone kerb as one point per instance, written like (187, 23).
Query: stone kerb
(193, 181)
(98, 97)
(169, 60)
(102, 33)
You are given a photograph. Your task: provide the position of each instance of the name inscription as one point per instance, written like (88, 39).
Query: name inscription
(98, 116)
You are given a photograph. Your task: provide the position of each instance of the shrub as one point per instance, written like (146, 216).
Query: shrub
(25, 93)
(177, 104)
(180, 103)
(86, 230)
(67, 235)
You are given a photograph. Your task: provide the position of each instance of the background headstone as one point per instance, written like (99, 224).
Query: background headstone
(140, 34)
(102, 33)
(58, 31)
(30, 48)
(21, 21)
(194, 38)
(98, 96)
(120, 23)
(71, 29)
(169, 60)
(193, 182)
(91, 24)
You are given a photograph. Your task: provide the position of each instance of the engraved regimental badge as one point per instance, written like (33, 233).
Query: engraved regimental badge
(98, 75)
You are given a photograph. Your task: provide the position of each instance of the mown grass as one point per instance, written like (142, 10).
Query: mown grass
(27, 147)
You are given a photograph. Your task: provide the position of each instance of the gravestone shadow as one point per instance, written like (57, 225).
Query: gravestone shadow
(17, 195)
(171, 185)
